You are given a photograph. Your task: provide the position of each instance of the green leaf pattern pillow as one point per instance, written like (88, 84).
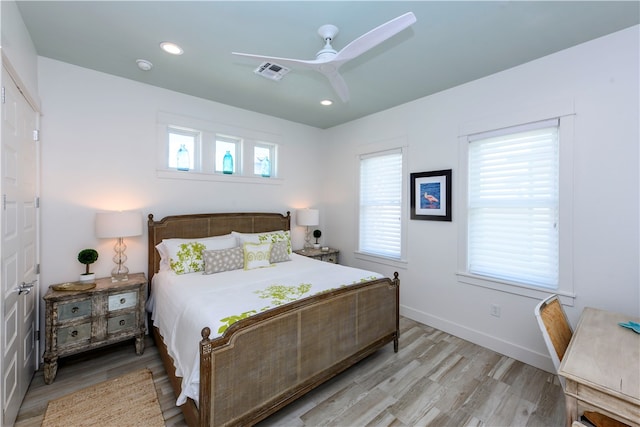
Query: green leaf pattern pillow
(189, 258)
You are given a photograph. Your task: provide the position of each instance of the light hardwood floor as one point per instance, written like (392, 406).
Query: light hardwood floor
(435, 379)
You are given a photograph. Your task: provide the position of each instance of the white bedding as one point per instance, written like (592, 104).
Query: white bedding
(181, 305)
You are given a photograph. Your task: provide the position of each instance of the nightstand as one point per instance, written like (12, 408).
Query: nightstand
(77, 321)
(330, 255)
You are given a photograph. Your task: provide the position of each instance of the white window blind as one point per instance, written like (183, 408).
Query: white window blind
(513, 204)
(380, 228)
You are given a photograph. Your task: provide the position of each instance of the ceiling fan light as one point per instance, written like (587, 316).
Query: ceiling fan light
(326, 102)
(171, 48)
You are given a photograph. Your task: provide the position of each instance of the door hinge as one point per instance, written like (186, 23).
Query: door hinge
(36, 135)
(36, 335)
(37, 202)
(4, 202)
(2, 99)
(37, 268)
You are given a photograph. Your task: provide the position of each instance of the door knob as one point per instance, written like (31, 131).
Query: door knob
(25, 288)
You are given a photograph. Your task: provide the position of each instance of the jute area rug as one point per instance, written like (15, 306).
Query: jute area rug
(129, 400)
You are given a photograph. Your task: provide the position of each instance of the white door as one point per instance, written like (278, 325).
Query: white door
(18, 247)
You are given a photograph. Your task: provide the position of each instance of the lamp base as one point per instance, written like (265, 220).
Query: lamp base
(119, 278)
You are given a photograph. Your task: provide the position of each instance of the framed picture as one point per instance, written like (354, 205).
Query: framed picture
(431, 195)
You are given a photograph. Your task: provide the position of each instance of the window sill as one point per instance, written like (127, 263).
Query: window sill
(198, 176)
(538, 293)
(378, 259)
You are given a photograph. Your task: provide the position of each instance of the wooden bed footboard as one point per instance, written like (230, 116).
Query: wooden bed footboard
(268, 360)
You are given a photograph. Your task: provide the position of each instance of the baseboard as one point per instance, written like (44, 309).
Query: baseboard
(506, 348)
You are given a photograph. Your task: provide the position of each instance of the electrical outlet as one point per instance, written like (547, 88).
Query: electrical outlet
(495, 310)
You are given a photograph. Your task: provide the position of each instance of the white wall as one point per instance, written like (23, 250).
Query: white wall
(601, 78)
(99, 153)
(17, 47)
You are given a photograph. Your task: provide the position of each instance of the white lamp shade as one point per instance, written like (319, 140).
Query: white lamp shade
(307, 217)
(118, 224)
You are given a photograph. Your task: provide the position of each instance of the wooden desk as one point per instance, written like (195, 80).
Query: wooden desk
(602, 367)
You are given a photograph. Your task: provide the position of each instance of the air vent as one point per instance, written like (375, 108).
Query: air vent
(271, 71)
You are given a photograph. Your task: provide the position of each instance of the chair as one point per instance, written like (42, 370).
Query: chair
(557, 334)
(555, 328)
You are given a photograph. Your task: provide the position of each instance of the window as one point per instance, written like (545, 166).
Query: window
(381, 204)
(182, 141)
(513, 204)
(231, 146)
(263, 156)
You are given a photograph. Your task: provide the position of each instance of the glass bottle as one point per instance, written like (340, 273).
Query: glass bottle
(265, 168)
(227, 163)
(183, 161)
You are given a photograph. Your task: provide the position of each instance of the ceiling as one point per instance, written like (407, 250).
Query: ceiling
(452, 42)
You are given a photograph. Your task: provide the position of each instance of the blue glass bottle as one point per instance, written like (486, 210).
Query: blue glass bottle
(227, 163)
(183, 161)
(265, 168)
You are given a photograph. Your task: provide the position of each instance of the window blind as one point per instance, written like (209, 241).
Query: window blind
(381, 204)
(513, 205)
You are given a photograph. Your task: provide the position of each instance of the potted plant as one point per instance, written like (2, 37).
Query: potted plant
(87, 257)
(316, 234)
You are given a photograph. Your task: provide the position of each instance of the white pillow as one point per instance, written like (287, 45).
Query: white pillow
(256, 255)
(268, 236)
(185, 255)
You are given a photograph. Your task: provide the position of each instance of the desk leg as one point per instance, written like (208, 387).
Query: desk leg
(572, 409)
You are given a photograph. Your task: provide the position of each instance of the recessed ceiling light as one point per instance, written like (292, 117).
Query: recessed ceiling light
(326, 102)
(171, 48)
(144, 65)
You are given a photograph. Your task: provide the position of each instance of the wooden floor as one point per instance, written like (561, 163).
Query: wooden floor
(434, 380)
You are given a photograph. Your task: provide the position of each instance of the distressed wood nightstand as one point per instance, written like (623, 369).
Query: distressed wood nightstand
(77, 321)
(330, 255)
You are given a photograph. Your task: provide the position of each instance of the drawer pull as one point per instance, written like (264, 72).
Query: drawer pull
(74, 333)
(75, 309)
(123, 300)
(122, 322)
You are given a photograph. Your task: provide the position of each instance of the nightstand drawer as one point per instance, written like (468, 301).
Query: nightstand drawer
(121, 323)
(120, 301)
(74, 334)
(74, 310)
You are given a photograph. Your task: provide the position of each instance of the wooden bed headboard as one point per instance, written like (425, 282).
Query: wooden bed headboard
(205, 225)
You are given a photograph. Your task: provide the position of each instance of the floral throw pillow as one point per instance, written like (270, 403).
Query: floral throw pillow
(269, 236)
(257, 255)
(217, 261)
(188, 258)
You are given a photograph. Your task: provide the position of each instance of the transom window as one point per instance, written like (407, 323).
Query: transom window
(194, 149)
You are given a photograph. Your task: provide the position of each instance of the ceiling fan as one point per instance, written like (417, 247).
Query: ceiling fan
(328, 60)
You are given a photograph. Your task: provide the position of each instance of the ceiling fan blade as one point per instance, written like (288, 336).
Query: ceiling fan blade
(374, 37)
(339, 85)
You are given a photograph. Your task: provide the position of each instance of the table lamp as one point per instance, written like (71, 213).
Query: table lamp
(119, 225)
(307, 218)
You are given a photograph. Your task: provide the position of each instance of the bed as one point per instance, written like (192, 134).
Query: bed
(262, 361)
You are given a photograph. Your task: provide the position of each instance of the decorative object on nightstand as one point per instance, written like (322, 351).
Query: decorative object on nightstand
(87, 257)
(317, 234)
(119, 225)
(328, 255)
(307, 218)
(81, 320)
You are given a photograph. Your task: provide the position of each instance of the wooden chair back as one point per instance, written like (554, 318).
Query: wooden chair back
(555, 328)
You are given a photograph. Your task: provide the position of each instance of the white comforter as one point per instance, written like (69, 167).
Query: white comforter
(181, 305)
